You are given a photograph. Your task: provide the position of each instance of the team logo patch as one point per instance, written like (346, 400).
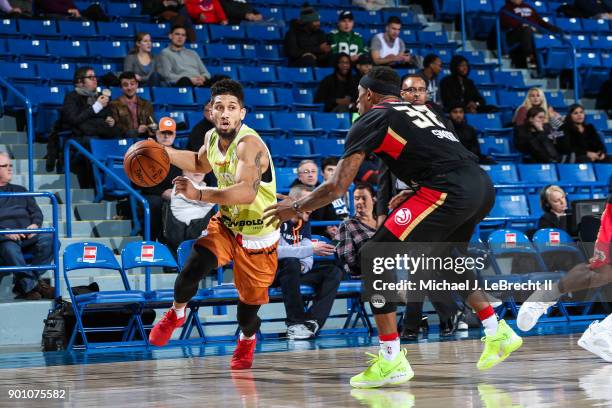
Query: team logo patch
(403, 216)
(147, 252)
(90, 254)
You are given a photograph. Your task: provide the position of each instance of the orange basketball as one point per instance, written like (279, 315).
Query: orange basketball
(146, 163)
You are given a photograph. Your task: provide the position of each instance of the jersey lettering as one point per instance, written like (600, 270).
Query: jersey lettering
(350, 49)
(424, 117)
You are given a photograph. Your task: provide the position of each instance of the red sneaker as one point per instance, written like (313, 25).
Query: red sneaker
(162, 331)
(243, 355)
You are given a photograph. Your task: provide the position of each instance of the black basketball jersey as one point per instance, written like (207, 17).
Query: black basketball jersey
(413, 141)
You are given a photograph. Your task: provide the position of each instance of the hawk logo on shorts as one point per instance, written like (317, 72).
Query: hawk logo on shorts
(403, 216)
(147, 252)
(90, 254)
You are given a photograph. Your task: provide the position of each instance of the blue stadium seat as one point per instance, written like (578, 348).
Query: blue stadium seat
(44, 96)
(595, 25)
(291, 75)
(447, 10)
(285, 176)
(262, 123)
(22, 72)
(195, 47)
(296, 124)
(558, 250)
(228, 70)
(510, 79)
(108, 50)
(603, 172)
(147, 254)
(603, 42)
(224, 53)
(226, 33)
(86, 255)
(534, 205)
(202, 95)
(510, 206)
(116, 30)
(363, 17)
(587, 59)
(261, 99)
(598, 120)
(36, 49)
(490, 145)
(509, 242)
(56, 73)
(174, 98)
(578, 40)
(290, 13)
(480, 76)
(329, 147)
(555, 99)
(130, 10)
(502, 173)
(291, 151)
(484, 121)
(490, 96)
(258, 76)
(335, 124)
(38, 28)
(284, 96)
(74, 50)
(322, 72)
(272, 13)
(109, 152)
(511, 99)
(405, 15)
(249, 54)
(569, 24)
(538, 173)
(303, 100)
(8, 28)
(77, 29)
(201, 31)
(577, 173)
(269, 54)
(156, 30)
(264, 33)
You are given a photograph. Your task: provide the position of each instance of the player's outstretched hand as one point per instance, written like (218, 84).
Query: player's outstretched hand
(185, 187)
(279, 212)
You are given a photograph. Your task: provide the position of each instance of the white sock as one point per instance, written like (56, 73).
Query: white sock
(180, 313)
(490, 325)
(243, 337)
(390, 349)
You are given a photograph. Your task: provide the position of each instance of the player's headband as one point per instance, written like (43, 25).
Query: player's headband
(379, 87)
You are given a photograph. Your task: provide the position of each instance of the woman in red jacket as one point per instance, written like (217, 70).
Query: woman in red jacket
(206, 11)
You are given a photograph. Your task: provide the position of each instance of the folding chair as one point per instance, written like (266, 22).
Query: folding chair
(86, 255)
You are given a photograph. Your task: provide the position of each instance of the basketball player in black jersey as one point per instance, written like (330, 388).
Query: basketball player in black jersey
(454, 195)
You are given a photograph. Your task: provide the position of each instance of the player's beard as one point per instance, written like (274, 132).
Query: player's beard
(229, 135)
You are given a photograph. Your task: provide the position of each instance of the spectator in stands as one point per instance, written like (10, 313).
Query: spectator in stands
(185, 219)
(196, 136)
(521, 34)
(161, 193)
(363, 66)
(457, 88)
(389, 49)
(132, 114)
(305, 43)
(467, 134)
(172, 11)
(373, 5)
(604, 98)
(553, 201)
(23, 213)
(141, 62)
(344, 40)
(240, 10)
(296, 267)
(206, 12)
(67, 9)
(308, 173)
(14, 9)
(338, 91)
(536, 98)
(357, 230)
(540, 141)
(583, 137)
(594, 8)
(432, 66)
(180, 66)
(86, 112)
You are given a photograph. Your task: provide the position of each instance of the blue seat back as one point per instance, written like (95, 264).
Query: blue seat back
(292, 121)
(183, 252)
(507, 241)
(538, 173)
(502, 173)
(328, 147)
(576, 173)
(77, 29)
(603, 171)
(146, 253)
(83, 255)
(510, 206)
(284, 177)
(490, 145)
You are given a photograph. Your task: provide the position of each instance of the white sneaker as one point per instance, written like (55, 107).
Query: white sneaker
(462, 326)
(312, 325)
(299, 332)
(598, 340)
(530, 312)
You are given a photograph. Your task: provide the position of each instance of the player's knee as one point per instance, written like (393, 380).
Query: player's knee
(200, 262)
(388, 307)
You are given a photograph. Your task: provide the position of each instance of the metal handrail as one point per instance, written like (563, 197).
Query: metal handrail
(30, 129)
(545, 31)
(108, 172)
(54, 231)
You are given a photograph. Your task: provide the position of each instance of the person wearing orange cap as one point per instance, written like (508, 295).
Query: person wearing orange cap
(161, 193)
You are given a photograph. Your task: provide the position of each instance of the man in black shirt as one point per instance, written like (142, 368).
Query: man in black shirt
(454, 195)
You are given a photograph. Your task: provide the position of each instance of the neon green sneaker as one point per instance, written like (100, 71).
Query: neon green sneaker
(491, 397)
(382, 372)
(499, 346)
(384, 398)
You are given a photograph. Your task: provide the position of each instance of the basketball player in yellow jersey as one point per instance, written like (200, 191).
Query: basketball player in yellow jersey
(246, 185)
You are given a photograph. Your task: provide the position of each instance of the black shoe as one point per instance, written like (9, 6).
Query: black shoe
(424, 325)
(409, 335)
(449, 326)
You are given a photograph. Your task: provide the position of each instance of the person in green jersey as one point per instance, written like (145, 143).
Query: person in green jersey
(243, 167)
(344, 39)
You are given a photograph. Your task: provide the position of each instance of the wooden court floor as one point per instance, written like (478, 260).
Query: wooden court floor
(548, 371)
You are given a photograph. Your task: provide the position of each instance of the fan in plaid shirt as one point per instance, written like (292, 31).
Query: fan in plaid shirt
(357, 230)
